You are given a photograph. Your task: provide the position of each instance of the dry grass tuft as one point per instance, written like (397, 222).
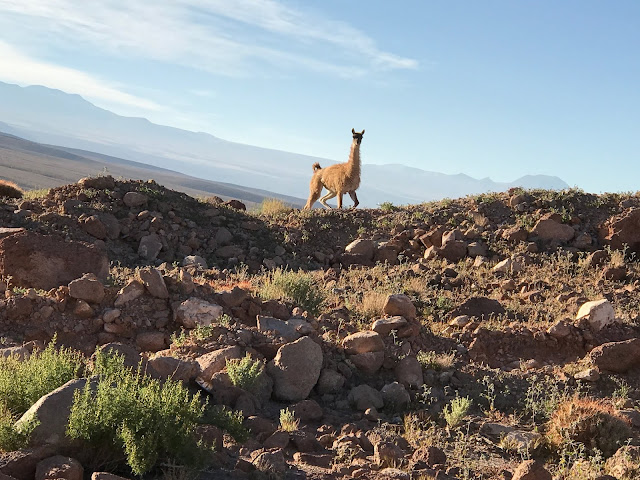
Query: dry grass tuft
(273, 206)
(593, 423)
(10, 189)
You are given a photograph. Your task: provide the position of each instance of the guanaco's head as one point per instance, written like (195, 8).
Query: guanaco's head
(357, 136)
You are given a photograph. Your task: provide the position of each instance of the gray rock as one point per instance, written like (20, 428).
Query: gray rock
(134, 199)
(364, 397)
(363, 342)
(195, 311)
(150, 246)
(52, 411)
(383, 326)
(154, 282)
(295, 369)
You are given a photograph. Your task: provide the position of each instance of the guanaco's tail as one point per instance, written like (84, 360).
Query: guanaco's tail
(316, 167)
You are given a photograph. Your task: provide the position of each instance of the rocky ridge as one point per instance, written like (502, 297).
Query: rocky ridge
(514, 288)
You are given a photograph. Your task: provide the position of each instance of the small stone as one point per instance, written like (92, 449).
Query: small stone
(588, 375)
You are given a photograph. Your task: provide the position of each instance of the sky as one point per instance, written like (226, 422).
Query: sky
(492, 88)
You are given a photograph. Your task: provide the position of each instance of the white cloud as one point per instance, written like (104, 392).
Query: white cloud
(18, 68)
(218, 36)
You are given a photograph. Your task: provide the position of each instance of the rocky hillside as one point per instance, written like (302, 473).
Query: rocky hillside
(487, 337)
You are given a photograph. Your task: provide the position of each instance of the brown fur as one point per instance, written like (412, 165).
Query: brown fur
(338, 179)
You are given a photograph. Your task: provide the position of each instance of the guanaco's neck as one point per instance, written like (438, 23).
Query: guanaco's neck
(354, 159)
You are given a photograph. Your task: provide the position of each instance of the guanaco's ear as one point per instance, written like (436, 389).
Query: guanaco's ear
(353, 131)
(362, 132)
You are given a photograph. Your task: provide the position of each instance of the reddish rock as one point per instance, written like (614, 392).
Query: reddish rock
(549, 228)
(622, 230)
(479, 307)
(151, 341)
(617, 356)
(21, 464)
(401, 305)
(47, 261)
(87, 288)
(237, 204)
(531, 470)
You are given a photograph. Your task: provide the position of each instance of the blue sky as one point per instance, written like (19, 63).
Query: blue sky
(486, 88)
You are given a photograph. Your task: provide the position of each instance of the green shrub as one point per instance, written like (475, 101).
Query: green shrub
(245, 372)
(297, 287)
(12, 437)
(23, 382)
(455, 412)
(228, 420)
(131, 415)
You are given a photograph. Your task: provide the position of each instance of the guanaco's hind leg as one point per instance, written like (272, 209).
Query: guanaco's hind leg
(315, 190)
(340, 199)
(328, 196)
(354, 197)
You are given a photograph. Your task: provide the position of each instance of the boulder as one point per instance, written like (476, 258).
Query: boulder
(599, 314)
(549, 228)
(59, 467)
(135, 199)
(154, 282)
(101, 182)
(479, 307)
(47, 261)
(616, 356)
(215, 361)
(363, 342)
(364, 397)
(106, 476)
(295, 369)
(194, 260)
(175, 368)
(364, 247)
(395, 396)
(453, 250)
(132, 290)
(531, 470)
(383, 326)
(409, 372)
(94, 227)
(21, 464)
(87, 288)
(401, 305)
(368, 362)
(622, 230)
(150, 246)
(330, 381)
(52, 411)
(151, 341)
(195, 311)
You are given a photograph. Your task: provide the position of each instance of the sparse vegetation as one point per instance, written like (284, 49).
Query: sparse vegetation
(456, 410)
(288, 421)
(297, 287)
(245, 372)
(273, 206)
(130, 415)
(592, 423)
(22, 382)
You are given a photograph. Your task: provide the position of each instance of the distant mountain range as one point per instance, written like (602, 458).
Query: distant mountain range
(53, 117)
